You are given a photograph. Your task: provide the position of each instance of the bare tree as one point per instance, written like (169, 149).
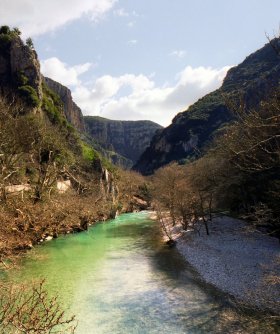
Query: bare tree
(252, 143)
(163, 220)
(166, 181)
(15, 140)
(30, 310)
(49, 156)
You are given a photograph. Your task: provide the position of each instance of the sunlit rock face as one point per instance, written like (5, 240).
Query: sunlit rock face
(19, 66)
(194, 129)
(72, 112)
(24, 60)
(128, 138)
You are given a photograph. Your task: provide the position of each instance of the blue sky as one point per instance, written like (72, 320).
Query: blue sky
(142, 59)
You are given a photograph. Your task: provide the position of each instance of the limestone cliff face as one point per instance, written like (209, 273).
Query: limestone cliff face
(24, 60)
(192, 130)
(72, 112)
(128, 138)
(19, 66)
(20, 76)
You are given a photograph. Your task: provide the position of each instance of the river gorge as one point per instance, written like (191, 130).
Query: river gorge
(119, 277)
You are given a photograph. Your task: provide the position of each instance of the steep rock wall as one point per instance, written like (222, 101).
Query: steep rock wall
(128, 138)
(19, 66)
(72, 112)
(192, 130)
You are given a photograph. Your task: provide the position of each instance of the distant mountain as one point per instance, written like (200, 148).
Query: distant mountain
(127, 138)
(191, 130)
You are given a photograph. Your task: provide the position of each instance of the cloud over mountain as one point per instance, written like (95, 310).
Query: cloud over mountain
(61, 72)
(135, 97)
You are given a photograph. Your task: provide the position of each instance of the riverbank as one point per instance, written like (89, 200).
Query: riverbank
(235, 259)
(26, 224)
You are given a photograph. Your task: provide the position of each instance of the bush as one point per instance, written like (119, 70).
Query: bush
(52, 105)
(89, 154)
(16, 31)
(6, 36)
(30, 95)
(5, 30)
(51, 110)
(29, 43)
(22, 79)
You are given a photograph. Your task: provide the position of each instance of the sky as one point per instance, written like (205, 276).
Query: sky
(141, 59)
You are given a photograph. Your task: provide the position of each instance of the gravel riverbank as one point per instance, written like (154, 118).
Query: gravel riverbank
(238, 261)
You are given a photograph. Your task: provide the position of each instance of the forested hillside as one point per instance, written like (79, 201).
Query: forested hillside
(64, 183)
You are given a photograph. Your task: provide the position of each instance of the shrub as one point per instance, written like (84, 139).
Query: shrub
(52, 105)
(6, 36)
(30, 95)
(16, 31)
(29, 43)
(89, 154)
(5, 30)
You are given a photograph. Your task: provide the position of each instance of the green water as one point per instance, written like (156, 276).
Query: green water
(119, 278)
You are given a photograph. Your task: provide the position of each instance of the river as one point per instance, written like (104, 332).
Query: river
(118, 277)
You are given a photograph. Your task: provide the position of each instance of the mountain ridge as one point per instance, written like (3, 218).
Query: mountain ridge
(127, 138)
(192, 130)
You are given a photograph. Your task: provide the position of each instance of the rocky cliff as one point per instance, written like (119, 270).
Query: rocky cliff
(19, 68)
(20, 76)
(127, 138)
(72, 112)
(192, 130)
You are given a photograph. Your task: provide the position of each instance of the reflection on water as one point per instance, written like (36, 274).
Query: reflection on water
(119, 278)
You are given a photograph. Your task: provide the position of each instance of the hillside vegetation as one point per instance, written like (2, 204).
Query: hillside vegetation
(239, 174)
(191, 131)
(55, 178)
(42, 153)
(52, 181)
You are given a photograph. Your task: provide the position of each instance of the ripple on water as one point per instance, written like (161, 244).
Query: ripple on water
(119, 278)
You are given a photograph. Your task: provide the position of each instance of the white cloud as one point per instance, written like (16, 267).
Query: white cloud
(178, 53)
(61, 72)
(201, 76)
(135, 97)
(35, 17)
(144, 100)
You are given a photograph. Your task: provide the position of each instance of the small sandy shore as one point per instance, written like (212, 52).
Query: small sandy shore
(243, 263)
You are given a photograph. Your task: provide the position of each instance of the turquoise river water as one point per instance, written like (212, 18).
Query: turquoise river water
(119, 277)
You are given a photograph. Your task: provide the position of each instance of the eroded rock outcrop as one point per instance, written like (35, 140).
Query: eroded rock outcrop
(20, 69)
(72, 112)
(24, 61)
